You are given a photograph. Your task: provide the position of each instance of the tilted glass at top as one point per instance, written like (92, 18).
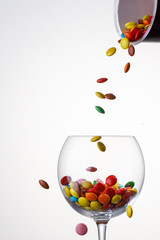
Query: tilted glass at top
(122, 158)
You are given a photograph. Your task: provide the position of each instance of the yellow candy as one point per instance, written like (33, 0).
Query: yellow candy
(88, 208)
(95, 138)
(100, 95)
(129, 211)
(86, 184)
(146, 17)
(111, 51)
(83, 202)
(130, 25)
(101, 146)
(95, 205)
(74, 193)
(116, 199)
(67, 191)
(147, 26)
(141, 26)
(124, 43)
(133, 190)
(116, 186)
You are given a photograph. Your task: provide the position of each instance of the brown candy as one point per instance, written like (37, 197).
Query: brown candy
(44, 184)
(127, 67)
(140, 21)
(131, 50)
(110, 96)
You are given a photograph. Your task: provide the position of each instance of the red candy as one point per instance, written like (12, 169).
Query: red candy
(102, 80)
(128, 35)
(138, 35)
(127, 195)
(134, 31)
(91, 190)
(110, 191)
(111, 180)
(150, 19)
(121, 191)
(66, 180)
(99, 187)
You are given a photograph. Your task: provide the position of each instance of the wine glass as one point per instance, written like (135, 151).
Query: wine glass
(100, 176)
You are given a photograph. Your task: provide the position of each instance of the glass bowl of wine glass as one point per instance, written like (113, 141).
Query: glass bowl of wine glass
(100, 176)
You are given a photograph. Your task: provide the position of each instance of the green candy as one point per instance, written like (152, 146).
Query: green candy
(94, 182)
(130, 184)
(99, 109)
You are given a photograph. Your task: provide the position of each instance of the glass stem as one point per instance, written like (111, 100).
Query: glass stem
(102, 227)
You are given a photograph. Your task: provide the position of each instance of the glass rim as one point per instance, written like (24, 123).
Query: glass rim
(120, 136)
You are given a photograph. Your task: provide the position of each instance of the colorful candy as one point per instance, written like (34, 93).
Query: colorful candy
(127, 67)
(102, 80)
(74, 193)
(130, 184)
(131, 50)
(95, 138)
(110, 191)
(146, 17)
(124, 43)
(129, 211)
(99, 187)
(133, 31)
(111, 51)
(86, 184)
(66, 180)
(99, 109)
(100, 95)
(44, 184)
(67, 191)
(104, 198)
(83, 202)
(81, 229)
(110, 96)
(91, 196)
(95, 205)
(130, 25)
(116, 199)
(101, 146)
(81, 180)
(74, 199)
(91, 169)
(111, 180)
(99, 196)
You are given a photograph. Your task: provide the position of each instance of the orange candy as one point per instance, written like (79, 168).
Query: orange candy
(91, 196)
(146, 22)
(104, 198)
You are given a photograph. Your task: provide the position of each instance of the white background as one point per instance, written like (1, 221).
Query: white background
(51, 54)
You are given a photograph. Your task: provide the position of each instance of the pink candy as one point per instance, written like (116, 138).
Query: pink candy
(81, 229)
(81, 180)
(91, 169)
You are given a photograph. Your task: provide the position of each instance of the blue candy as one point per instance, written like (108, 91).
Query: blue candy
(74, 199)
(122, 35)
